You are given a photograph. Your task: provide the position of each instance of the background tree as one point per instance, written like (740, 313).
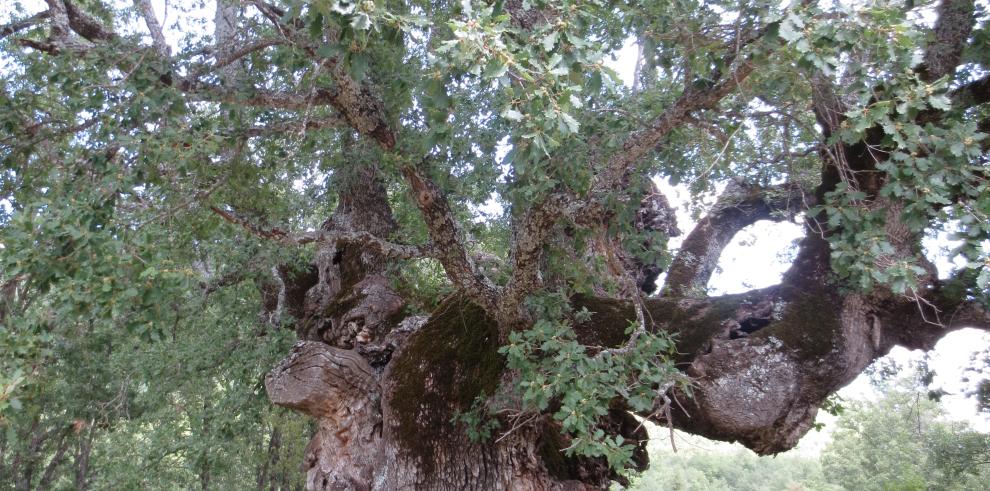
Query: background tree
(898, 438)
(333, 155)
(902, 441)
(697, 466)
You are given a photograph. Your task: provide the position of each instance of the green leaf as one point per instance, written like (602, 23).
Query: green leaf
(940, 102)
(550, 40)
(791, 28)
(512, 114)
(572, 124)
(496, 69)
(361, 21)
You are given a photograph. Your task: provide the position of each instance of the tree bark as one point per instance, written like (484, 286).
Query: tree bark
(385, 388)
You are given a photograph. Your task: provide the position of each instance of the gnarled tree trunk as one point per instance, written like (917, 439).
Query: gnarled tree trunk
(393, 427)
(387, 390)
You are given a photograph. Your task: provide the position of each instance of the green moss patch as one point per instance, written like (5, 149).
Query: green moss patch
(607, 326)
(450, 362)
(693, 323)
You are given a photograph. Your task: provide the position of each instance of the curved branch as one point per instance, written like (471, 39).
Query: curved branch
(738, 207)
(644, 142)
(84, 24)
(762, 362)
(921, 323)
(357, 101)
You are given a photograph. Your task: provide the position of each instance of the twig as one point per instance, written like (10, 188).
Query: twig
(22, 24)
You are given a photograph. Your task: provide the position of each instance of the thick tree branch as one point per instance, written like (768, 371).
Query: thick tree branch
(291, 101)
(154, 27)
(210, 285)
(692, 100)
(952, 29)
(357, 101)
(225, 38)
(68, 19)
(528, 243)
(84, 24)
(276, 15)
(446, 236)
(842, 162)
(762, 362)
(20, 25)
(61, 38)
(921, 321)
(738, 207)
(828, 107)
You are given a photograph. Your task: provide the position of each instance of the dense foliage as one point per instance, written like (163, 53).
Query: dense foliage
(903, 441)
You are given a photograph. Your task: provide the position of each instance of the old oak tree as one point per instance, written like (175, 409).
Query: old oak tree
(328, 160)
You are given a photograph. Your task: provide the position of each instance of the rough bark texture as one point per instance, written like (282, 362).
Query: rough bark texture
(339, 388)
(395, 429)
(761, 363)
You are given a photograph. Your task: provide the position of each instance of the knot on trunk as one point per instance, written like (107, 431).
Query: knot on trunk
(339, 389)
(322, 381)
